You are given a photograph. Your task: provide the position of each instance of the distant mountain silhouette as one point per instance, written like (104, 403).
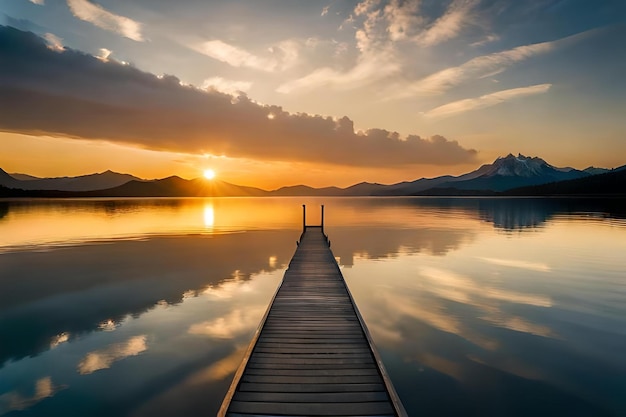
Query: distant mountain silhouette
(23, 177)
(178, 187)
(100, 181)
(305, 190)
(610, 183)
(511, 175)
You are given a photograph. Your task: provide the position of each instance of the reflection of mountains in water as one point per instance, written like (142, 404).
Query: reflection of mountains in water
(523, 213)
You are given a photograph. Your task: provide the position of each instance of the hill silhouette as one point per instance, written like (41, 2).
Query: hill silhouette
(612, 183)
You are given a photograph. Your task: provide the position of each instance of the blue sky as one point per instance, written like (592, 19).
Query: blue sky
(475, 79)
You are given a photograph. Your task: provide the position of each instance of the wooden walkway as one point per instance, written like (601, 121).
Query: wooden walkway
(312, 354)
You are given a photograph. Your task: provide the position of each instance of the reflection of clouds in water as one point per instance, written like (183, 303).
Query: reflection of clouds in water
(108, 325)
(227, 289)
(228, 327)
(433, 314)
(220, 369)
(104, 358)
(425, 300)
(450, 281)
(58, 339)
(13, 400)
(455, 287)
(516, 263)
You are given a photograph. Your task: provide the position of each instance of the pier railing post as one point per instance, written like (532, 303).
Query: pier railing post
(322, 219)
(303, 218)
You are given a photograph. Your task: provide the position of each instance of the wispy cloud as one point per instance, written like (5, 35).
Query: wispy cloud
(284, 55)
(54, 42)
(379, 27)
(402, 18)
(478, 67)
(368, 69)
(325, 10)
(106, 20)
(488, 100)
(486, 40)
(449, 25)
(226, 86)
(376, 60)
(39, 2)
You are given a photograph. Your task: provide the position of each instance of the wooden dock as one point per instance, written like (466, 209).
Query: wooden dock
(312, 354)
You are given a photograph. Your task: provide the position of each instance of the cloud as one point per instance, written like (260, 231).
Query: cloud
(488, 100)
(39, 2)
(226, 86)
(449, 25)
(325, 10)
(368, 69)
(380, 26)
(481, 66)
(284, 55)
(54, 42)
(402, 18)
(103, 54)
(486, 40)
(75, 95)
(93, 13)
(376, 61)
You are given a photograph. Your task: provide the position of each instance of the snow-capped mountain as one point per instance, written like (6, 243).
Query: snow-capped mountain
(503, 174)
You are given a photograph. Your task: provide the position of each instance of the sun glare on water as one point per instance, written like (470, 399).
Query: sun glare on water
(209, 174)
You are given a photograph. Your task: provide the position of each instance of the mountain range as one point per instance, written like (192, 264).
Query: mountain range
(510, 175)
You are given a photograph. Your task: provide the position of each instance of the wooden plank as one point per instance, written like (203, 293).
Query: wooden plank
(279, 379)
(311, 397)
(313, 409)
(308, 387)
(282, 415)
(298, 365)
(312, 372)
(260, 362)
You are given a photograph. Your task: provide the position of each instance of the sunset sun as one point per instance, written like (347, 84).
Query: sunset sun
(209, 174)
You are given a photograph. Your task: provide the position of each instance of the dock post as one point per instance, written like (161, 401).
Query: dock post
(303, 218)
(322, 219)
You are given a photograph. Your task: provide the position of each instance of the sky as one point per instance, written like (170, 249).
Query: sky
(270, 93)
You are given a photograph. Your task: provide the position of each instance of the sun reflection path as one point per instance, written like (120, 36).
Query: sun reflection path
(209, 216)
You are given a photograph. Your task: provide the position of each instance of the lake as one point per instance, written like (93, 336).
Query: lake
(478, 306)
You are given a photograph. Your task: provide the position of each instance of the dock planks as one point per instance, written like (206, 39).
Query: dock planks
(312, 354)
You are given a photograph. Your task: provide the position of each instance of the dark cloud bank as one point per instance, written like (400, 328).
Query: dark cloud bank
(69, 93)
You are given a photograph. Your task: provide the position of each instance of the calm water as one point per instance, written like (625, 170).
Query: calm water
(479, 307)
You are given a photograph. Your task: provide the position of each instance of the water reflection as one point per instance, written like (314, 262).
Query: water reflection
(15, 400)
(104, 358)
(76, 289)
(209, 216)
(43, 223)
(145, 307)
